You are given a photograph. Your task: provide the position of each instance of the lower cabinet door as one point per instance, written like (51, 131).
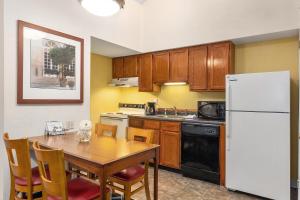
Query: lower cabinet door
(156, 137)
(170, 149)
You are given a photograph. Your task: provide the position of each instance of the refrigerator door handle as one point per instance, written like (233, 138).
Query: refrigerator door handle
(228, 131)
(229, 96)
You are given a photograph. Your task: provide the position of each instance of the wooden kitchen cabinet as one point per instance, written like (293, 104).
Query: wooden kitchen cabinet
(161, 67)
(167, 134)
(154, 125)
(151, 124)
(220, 63)
(198, 68)
(117, 68)
(170, 126)
(204, 67)
(222, 154)
(156, 137)
(179, 60)
(131, 66)
(146, 74)
(170, 144)
(136, 122)
(170, 149)
(146, 124)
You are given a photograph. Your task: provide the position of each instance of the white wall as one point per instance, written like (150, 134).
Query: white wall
(299, 123)
(298, 7)
(69, 17)
(1, 96)
(177, 23)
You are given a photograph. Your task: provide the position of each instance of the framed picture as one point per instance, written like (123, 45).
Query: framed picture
(50, 66)
(54, 128)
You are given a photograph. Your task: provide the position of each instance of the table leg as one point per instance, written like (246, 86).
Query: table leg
(156, 160)
(102, 179)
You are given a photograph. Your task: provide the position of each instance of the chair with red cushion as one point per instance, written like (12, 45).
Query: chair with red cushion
(24, 180)
(135, 174)
(55, 184)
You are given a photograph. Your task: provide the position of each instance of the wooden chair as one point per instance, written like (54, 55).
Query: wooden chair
(55, 184)
(24, 179)
(100, 130)
(136, 174)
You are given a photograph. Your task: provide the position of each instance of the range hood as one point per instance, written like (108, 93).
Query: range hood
(124, 82)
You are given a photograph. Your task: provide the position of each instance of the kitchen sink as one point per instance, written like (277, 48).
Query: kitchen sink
(170, 116)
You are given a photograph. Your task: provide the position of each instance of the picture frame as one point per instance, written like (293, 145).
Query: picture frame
(54, 128)
(50, 66)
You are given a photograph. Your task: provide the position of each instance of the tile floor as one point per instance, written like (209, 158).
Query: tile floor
(173, 186)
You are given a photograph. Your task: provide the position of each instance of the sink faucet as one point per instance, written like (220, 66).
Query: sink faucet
(175, 110)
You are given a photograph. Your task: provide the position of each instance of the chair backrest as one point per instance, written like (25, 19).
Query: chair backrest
(101, 129)
(18, 157)
(54, 182)
(140, 135)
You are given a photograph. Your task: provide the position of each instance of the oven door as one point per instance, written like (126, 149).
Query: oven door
(200, 151)
(121, 123)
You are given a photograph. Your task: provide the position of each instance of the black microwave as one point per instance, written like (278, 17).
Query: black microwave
(214, 110)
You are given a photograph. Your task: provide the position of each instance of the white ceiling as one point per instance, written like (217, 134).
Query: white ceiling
(141, 1)
(109, 49)
(112, 50)
(146, 31)
(269, 36)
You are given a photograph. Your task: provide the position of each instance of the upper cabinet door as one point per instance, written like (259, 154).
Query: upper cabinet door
(145, 73)
(179, 65)
(198, 68)
(219, 64)
(118, 68)
(131, 66)
(161, 63)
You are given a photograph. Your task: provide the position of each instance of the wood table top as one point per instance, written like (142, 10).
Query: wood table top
(101, 150)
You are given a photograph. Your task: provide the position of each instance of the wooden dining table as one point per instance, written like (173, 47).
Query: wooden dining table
(103, 155)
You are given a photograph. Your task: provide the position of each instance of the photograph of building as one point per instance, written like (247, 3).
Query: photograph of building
(52, 65)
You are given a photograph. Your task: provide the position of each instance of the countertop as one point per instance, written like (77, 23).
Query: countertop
(179, 119)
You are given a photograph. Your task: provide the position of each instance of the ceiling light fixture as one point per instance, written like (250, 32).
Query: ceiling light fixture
(103, 8)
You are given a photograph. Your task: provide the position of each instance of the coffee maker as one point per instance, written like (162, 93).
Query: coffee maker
(151, 108)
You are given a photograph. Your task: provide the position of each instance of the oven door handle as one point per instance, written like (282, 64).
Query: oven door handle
(200, 124)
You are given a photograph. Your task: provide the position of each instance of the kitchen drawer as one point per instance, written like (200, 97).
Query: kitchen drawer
(151, 124)
(136, 122)
(170, 126)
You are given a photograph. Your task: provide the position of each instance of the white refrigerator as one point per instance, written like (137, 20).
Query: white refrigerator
(258, 134)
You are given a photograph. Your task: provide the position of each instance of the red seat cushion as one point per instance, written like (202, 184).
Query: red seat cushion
(36, 179)
(81, 189)
(130, 173)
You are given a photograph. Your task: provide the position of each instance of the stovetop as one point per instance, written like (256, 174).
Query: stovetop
(125, 110)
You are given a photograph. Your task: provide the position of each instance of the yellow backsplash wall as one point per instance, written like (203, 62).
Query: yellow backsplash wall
(170, 96)
(273, 55)
(103, 98)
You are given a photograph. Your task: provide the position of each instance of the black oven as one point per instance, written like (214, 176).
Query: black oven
(200, 151)
(214, 110)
